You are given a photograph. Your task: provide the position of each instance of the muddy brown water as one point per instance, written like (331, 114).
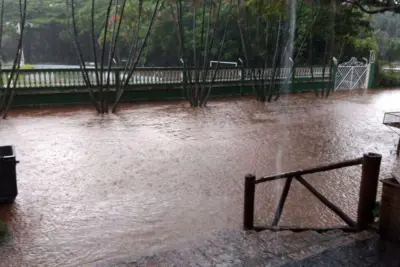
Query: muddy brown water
(159, 176)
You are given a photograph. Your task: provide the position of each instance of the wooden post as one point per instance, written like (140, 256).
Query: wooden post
(398, 148)
(326, 202)
(249, 190)
(282, 201)
(368, 189)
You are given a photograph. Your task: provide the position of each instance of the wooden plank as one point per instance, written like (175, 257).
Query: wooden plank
(282, 201)
(302, 229)
(368, 189)
(327, 203)
(396, 175)
(322, 168)
(248, 211)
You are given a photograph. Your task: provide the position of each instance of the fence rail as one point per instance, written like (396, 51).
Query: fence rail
(368, 189)
(72, 78)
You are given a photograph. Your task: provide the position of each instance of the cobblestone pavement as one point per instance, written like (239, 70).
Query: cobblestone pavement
(236, 248)
(372, 252)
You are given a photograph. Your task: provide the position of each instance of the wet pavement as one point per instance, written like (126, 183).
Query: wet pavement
(367, 253)
(270, 249)
(160, 176)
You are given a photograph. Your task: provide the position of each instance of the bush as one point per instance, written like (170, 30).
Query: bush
(386, 78)
(389, 79)
(27, 67)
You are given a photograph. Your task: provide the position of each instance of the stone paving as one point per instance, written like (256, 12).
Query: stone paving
(285, 248)
(370, 252)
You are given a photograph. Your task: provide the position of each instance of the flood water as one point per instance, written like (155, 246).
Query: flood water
(93, 189)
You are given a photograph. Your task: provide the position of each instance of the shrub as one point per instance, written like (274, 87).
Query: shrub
(386, 78)
(27, 67)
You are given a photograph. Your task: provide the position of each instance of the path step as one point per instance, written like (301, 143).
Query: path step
(266, 248)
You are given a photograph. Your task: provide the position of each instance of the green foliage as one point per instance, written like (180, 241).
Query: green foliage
(386, 78)
(363, 46)
(50, 18)
(393, 51)
(389, 79)
(27, 67)
(270, 10)
(352, 31)
(387, 32)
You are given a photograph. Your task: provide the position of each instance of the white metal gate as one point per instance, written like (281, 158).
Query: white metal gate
(352, 75)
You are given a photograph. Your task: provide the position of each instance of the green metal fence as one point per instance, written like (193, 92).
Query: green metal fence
(38, 87)
(72, 78)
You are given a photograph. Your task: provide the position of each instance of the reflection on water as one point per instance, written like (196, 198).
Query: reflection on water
(157, 176)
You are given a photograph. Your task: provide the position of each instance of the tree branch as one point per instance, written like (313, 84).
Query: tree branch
(369, 11)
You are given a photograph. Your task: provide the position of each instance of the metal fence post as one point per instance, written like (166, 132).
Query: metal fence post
(242, 73)
(368, 189)
(117, 81)
(249, 190)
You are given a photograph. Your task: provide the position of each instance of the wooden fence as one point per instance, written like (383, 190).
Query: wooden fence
(368, 189)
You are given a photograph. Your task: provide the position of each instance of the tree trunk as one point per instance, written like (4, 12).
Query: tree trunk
(130, 74)
(5, 103)
(277, 42)
(205, 99)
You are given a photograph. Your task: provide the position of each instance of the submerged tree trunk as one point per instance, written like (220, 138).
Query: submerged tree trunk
(78, 50)
(300, 48)
(135, 62)
(113, 48)
(265, 70)
(324, 68)
(204, 100)
(12, 80)
(103, 72)
(332, 47)
(196, 81)
(94, 44)
(103, 98)
(274, 68)
(310, 63)
(246, 53)
(207, 49)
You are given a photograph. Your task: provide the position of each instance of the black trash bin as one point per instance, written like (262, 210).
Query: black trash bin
(8, 175)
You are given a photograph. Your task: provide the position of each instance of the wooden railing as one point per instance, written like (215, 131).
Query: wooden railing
(72, 78)
(368, 189)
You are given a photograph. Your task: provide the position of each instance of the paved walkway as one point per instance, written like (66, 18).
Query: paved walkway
(371, 252)
(236, 248)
